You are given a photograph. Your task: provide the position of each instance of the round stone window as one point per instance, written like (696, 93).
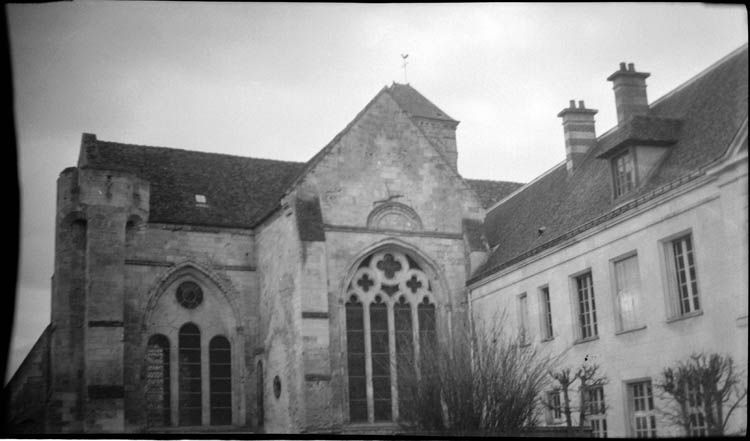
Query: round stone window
(189, 295)
(277, 386)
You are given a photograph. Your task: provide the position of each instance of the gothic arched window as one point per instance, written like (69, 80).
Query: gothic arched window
(190, 375)
(158, 408)
(390, 323)
(220, 374)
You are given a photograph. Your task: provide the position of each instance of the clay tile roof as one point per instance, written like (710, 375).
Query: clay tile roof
(415, 103)
(557, 205)
(239, 191)
(491, 192)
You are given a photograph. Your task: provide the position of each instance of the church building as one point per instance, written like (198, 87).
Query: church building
(201, 292)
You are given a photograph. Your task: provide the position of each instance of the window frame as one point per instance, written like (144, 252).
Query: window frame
(627, 152)
(575, 307)
(546, 324)
(651, 414)
(554, 415)
(670, 277)
(600, 416)
(639, 322)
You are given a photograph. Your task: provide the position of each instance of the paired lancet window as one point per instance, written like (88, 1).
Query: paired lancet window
(390, 326)
(190, 379)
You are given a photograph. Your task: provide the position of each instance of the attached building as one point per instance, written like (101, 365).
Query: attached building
(633, 253)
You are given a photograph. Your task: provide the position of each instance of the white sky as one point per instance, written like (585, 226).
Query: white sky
(280, 80)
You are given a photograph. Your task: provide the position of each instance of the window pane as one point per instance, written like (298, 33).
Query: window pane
(546, 313)
(356, 361)
(404, 356)
(628, 292)
(586, 306)
(685, 275)
(157, 382)
(220, 374)
(642, 405)
(381, 371)
(189, 376)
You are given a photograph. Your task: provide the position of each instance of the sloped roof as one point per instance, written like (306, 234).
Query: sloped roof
(711, 106)
(491, 192)
(239, 191)
(415, 103)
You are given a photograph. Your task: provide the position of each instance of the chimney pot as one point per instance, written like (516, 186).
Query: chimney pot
(631, 67)
(622, 66)
(572, 104)
(580, 104)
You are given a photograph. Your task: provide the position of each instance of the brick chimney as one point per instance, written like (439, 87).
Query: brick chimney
(630, 92)
(580, 132)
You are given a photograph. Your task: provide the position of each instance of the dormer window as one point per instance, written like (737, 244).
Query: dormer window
(623, 172)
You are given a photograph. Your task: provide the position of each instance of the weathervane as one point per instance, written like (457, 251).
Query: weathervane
(404, 57)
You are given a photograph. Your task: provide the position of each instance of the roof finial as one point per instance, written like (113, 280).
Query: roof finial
(404, 57)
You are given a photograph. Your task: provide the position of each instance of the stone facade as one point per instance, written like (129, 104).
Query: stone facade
(274, 289)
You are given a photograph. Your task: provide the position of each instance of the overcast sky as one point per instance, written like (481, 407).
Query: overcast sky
(280, 80)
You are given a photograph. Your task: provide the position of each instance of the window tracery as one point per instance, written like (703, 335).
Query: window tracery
(390, 324)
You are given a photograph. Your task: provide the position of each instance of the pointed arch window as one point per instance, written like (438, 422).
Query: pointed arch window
(190, 375)
(390, 324)
(220, 373)
(158, 409)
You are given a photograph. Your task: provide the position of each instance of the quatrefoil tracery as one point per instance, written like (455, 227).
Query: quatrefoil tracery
(391, 275)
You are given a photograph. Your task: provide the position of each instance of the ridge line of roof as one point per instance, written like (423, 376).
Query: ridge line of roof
(101, 141)
(493, 180)
(700, 74)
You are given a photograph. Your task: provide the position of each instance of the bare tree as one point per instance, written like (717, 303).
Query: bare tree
(704, 391)
(588, 377)
(484, 381)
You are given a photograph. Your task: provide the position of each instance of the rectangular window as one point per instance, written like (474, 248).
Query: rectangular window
(554, 407)
(694, 394)
(596, 411)
(546, 313)
(623, 171)
(642, 413)
(523, 319)
(587, 327)
(683, 282)
(627, 293)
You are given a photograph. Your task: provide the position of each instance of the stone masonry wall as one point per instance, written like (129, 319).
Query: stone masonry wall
(383, 157)
(223, 262)
(279, 254)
